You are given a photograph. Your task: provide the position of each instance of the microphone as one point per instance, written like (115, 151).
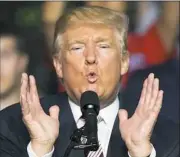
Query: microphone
(90, 109)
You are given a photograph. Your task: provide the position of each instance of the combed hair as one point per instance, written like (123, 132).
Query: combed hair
(91, 14)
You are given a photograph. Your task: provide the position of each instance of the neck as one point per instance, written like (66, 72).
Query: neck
(9, 99)
(104, 104)
(111, 98)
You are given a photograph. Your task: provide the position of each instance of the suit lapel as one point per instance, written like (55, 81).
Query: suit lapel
(67, 126)
(116, 144)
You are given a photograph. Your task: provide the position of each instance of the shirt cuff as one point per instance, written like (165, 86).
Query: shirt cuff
(153, 153)
(32, 154)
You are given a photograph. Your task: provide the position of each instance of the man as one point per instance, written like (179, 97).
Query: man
(13, 62)
(89, 55)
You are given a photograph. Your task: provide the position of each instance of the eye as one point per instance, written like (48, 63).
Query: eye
(77, 48)
(104, 46)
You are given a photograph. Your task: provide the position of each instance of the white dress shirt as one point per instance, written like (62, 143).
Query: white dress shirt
(105, 127)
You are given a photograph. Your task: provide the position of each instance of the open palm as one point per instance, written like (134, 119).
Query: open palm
(42, 128)
(136, 131)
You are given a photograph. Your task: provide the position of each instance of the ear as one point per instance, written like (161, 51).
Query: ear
(124, 62)
(58, 66)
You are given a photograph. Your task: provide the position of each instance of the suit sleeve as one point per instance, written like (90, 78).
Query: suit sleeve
(11, 144)
(9, 149)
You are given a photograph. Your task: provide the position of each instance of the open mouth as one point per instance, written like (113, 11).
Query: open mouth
(92, 77)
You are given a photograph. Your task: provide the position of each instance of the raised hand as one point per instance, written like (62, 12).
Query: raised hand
(43, 128)
(136, 131)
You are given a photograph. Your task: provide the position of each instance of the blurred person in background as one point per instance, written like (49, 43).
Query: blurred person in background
(13, 62)
(40, 63)
(24, 51)
(147, 12)
(154, 44)
(50, 13)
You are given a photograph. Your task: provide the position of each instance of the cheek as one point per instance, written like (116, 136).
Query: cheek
(110, 69)
(110, 63)
(8, 70)
(72, 66)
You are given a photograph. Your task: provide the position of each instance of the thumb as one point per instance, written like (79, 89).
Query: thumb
(54, 112)
(123, 115)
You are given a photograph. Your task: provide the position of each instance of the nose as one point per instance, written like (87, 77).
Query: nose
(90, 56)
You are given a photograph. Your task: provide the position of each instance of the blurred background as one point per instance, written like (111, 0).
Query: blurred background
(26, 36)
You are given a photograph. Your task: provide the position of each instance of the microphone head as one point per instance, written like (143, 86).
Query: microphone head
(89, 99)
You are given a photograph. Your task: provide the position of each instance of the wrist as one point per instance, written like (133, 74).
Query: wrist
(141, 150)
(40, 149)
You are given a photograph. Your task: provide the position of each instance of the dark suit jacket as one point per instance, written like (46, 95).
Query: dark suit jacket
(14, 136)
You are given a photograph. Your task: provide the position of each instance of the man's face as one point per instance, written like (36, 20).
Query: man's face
(11, 65)
(91, 60)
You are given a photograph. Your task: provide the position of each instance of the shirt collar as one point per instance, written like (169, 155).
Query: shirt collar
(76, 111)
(108, 113)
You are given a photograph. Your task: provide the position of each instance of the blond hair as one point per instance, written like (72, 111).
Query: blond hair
(92, 14)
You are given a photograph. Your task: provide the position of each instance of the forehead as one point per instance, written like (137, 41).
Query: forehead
(85, 31)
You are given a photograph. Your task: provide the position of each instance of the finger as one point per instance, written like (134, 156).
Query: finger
(23, 94)
(155, 91)
(148, 90)
(158, 104)
(142, 97)
(29, 100)
(33, 90)
(54, 112)
(123, 116)
(156, 109)
(153, 114)
(35, 106)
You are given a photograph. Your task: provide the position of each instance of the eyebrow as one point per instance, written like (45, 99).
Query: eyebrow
(83, 40)
(97, 40)
(102, 39)
(76, 42)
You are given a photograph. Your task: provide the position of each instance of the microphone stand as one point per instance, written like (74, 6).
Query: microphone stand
(80, 141)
